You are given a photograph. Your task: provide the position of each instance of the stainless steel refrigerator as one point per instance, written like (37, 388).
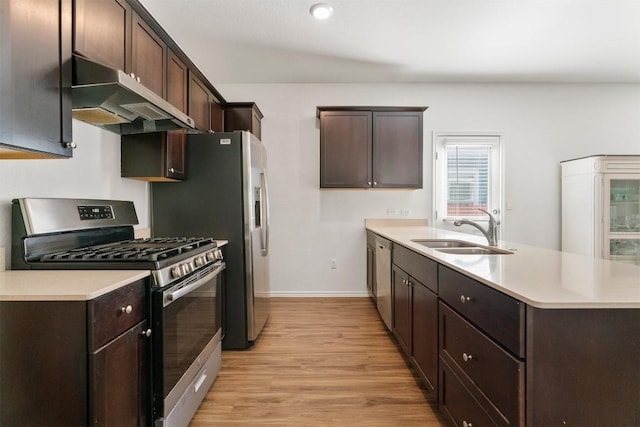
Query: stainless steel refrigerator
(225, 196)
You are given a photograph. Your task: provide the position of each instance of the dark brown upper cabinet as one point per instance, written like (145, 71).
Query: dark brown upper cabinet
(160, 156)
(199, 103)
(102, 32)
(243, 116)
(35, 70)
(370, 147)
(148, 56)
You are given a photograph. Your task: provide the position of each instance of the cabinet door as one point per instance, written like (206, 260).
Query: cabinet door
(424, 345)
(103, 31)
(177, 77)
(397, 149)
(345, 149)
(118, 381)
(35, 70)
(217, 117)
(199, 103)
(401, 297)
(622, 214)
(148, 56)
(176, 146)
(243, 116)
(154, 157)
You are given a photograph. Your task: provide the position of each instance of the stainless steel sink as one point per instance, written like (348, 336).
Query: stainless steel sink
(444, 243)
(474, 251)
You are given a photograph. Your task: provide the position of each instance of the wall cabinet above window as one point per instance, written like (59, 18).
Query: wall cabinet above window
(371, 147)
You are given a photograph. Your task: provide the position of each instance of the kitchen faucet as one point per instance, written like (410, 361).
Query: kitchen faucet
(491, 233)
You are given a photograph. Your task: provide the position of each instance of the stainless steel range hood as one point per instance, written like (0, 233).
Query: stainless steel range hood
(117, 102)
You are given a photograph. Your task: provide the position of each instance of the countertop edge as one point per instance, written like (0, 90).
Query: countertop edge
(572, 300)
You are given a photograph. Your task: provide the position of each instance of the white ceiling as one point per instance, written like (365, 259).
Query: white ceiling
(277, 41)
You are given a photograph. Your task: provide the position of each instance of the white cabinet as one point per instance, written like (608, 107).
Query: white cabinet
(601, 207)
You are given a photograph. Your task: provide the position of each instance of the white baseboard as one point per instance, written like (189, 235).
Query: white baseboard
(310, 294)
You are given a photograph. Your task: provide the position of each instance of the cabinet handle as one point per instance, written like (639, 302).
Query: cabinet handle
(464, 299)
(71, 145)
(369, 183)
(146, 333)
(126, 310)
(466, 424)
(375, 183)
(172, 170)
(466, 357)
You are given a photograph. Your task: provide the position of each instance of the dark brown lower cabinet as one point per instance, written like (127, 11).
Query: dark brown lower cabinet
(493, 373)
(424, 335)
(371, 265)
(117, 397)
(583, 367)
(401, 313)
(457, 402)
(76, 363)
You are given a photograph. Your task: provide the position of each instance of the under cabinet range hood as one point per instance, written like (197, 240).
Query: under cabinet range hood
(118, 102)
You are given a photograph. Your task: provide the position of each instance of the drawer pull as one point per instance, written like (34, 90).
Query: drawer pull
(466, 357)
(466, 424)
(126, 310)
(146, 333)
(464, 299)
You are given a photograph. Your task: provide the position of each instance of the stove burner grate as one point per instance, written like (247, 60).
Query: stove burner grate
(144, 249)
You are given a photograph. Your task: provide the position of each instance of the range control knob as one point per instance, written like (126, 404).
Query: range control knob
(200, 261)
(217, 253)
(210, 256)
(187, 267)
(176, 272)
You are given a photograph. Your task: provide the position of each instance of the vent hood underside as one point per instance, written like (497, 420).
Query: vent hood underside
(117, 102)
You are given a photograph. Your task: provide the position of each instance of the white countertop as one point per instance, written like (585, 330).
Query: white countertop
(63, 285)
(542, 278)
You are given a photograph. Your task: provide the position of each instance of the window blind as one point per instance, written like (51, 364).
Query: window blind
(468, 170)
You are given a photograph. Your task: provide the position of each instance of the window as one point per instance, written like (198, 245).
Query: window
(468, 176)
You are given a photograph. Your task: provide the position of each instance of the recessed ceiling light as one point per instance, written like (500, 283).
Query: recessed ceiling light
(321, 11)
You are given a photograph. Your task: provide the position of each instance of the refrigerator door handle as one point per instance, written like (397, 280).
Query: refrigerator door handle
(265, 215)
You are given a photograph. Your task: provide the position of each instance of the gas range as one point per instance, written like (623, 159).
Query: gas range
(78, 234)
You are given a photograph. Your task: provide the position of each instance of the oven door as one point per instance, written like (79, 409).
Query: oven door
(188, 322)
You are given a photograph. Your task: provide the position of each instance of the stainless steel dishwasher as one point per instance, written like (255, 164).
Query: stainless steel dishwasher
(383, 279)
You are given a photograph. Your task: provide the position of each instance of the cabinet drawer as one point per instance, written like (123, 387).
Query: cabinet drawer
(457, 402)
(115, 312)
(497, 374)
(497, 314)
(420, 267)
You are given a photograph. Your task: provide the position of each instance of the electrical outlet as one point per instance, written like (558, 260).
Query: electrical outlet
(393, 212)
(405, 212)
(332, 263)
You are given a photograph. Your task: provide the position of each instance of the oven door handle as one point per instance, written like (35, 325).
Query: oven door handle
(170, 297)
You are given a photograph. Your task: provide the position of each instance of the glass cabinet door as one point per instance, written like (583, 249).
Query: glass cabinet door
(624, 205)
(623, 195)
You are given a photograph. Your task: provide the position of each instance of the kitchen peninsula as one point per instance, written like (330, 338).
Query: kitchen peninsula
(532, 337)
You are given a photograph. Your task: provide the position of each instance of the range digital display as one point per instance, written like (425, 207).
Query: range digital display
(95, 212)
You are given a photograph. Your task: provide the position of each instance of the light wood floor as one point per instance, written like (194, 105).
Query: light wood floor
(318, 362)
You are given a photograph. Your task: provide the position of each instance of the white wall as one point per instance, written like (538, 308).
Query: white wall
(542, 124)
(93, 172)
